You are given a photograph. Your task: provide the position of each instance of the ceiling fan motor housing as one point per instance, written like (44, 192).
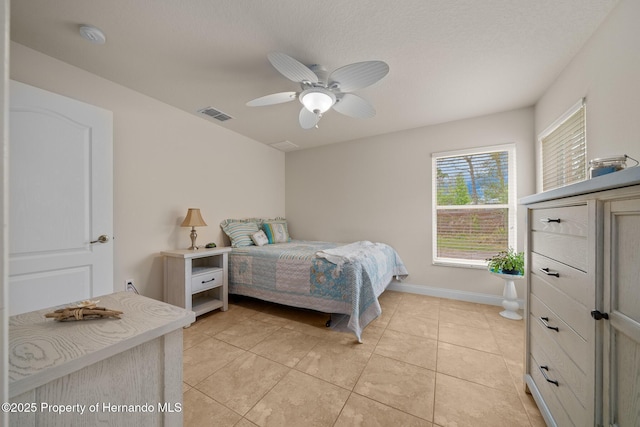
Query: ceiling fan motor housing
(321, 72)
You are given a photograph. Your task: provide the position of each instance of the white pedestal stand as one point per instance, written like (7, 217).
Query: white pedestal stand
(510, 301)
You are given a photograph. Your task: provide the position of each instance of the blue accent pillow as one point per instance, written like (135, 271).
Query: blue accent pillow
(276, 231)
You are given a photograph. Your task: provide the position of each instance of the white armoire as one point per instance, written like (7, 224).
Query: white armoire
(582, 360)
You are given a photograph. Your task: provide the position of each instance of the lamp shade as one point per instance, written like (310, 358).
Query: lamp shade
(317, 100)
(193, 219)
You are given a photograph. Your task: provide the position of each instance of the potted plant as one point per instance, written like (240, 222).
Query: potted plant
(507, 262)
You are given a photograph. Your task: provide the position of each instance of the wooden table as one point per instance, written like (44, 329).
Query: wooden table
(119, 372)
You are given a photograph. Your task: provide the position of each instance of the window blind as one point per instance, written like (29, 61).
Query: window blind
(474, 204)
(564, 152)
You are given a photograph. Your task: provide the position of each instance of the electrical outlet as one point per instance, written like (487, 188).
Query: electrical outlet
(129, 286)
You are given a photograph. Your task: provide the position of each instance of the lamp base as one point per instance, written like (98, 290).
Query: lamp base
(193, 236)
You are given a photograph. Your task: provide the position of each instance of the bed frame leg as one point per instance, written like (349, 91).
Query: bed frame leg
(328, 324)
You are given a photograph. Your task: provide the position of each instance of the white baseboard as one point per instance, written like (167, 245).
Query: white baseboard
(449, 293)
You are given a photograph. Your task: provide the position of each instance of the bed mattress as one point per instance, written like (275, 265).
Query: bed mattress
(292, 274)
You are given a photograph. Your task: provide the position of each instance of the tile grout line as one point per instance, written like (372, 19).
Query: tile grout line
(435, 376)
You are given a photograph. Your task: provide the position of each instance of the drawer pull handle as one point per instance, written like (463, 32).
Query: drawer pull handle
(547, 220)
(596, 314)
(544, 322)
(207, 281)
(546, 368)
(549, 272)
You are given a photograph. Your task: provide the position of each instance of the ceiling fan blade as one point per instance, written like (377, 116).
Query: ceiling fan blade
(354, 106)
(291, 68)
(274, 98)
(359, 75)
(308, 119)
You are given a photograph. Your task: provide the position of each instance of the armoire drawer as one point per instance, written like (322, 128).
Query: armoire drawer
(551, 396)
(570, 281)
(571, 220)
(567, 249)
(565, 337)
(569, 295)
(568, 383)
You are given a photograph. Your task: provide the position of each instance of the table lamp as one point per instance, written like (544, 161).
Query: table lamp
(193, 220)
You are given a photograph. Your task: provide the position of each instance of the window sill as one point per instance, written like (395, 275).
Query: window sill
(459, 264)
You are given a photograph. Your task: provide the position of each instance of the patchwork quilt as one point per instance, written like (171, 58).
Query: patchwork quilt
(297, 274)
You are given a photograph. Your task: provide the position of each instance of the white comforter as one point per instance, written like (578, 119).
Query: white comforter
(347, 253)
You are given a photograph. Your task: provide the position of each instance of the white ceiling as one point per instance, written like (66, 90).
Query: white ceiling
(449, 59)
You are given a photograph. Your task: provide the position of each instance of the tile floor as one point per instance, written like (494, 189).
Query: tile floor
(425, 362)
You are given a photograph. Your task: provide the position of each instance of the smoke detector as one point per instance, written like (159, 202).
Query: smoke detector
(93, 34)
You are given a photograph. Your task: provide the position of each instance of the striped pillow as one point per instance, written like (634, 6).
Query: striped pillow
(276, 231)
(239, 232)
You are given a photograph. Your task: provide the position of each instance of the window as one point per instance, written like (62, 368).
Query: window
(563, 150)
(474, 204)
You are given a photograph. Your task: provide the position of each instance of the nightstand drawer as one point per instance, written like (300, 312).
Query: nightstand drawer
(570, 220)
(208, 280)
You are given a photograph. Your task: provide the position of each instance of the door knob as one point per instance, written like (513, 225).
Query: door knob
(102, 239)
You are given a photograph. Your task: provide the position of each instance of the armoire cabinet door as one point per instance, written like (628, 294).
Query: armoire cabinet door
(621, 355)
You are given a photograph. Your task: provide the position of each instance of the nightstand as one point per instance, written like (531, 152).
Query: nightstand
(196, 280)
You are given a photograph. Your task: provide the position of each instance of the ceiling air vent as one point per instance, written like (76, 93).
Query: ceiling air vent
(285, 146)
(215, 114)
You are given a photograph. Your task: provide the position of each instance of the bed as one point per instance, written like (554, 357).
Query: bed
(323, 276)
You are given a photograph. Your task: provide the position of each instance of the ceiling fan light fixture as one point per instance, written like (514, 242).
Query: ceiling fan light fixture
(317, 99)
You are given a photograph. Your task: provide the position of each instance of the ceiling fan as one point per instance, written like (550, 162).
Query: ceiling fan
(320, 91)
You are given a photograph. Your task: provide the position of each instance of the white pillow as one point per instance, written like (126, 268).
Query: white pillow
(259, 238)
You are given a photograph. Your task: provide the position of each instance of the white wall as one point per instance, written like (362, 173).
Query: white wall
(607, 72)
(379, 189)
(165, 161)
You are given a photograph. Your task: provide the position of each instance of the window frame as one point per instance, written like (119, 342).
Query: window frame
(582, 103)
(511, 205)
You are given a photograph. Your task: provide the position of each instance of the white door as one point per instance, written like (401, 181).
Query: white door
(60, 200)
